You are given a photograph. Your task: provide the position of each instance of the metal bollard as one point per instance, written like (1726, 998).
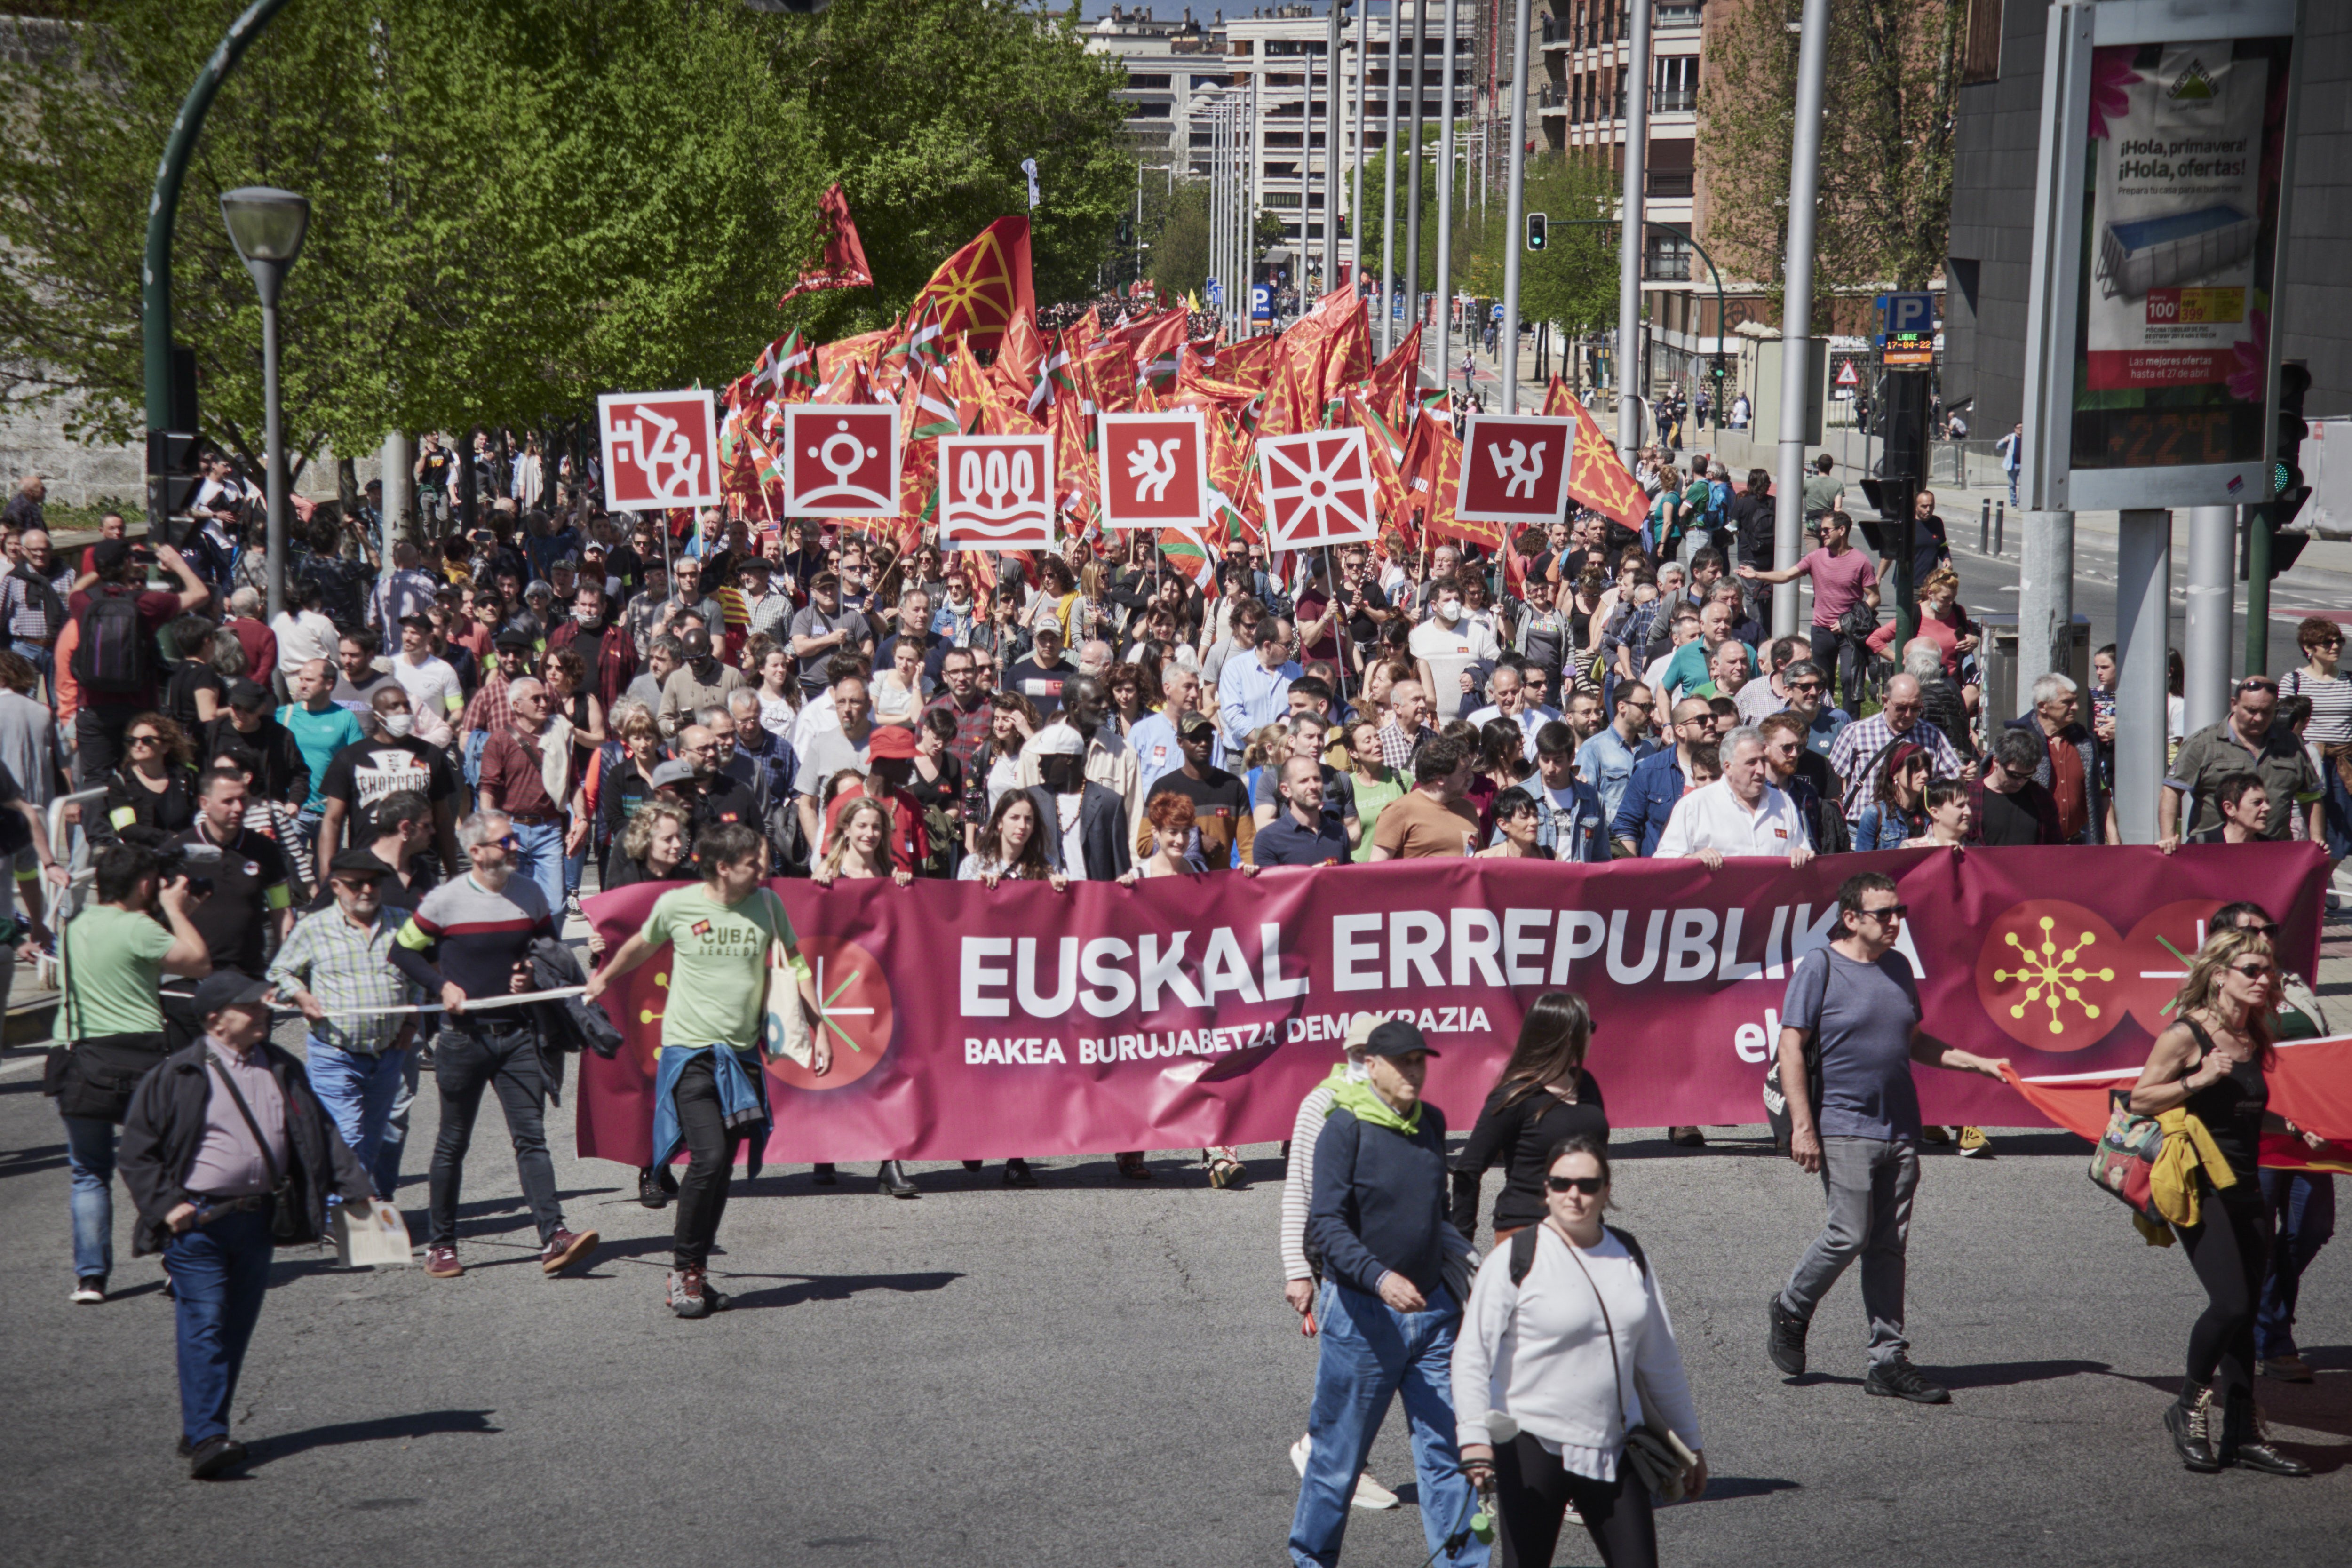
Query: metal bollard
(2000, 519)
(1984, 527)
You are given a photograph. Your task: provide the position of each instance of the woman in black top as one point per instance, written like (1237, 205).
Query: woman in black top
(156, 786)
(1544, 1095)
(937, 785)
(2210, 1063)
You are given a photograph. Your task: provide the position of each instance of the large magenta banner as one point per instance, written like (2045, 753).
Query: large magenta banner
(972, 1023)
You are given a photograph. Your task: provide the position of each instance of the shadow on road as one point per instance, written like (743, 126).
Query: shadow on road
(839, 1287)
(1730, 1489)
(26, 1162)
(2002, 1375)
(385, 1429)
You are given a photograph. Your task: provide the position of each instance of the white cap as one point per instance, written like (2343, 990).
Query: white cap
(1060, 741)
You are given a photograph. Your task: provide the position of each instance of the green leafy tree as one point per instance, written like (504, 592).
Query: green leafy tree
(1180, 256)
(1887, 142)
(518, 203)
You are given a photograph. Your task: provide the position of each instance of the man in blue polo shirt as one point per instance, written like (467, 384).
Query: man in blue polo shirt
(1304, 834)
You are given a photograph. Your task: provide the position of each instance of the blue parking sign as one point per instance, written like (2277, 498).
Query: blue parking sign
(1261, 302)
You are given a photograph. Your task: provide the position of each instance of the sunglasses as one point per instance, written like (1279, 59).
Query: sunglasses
(1890, 912)
(1589, 1185)
(2270, 931)
(146, 740)
(2256, 971)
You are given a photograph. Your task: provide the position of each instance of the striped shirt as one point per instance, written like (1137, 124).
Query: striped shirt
(2331, 705)
(344, 965)
(476, 936)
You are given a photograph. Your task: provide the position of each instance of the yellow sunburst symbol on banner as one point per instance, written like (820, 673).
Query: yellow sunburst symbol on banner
(2052, 975)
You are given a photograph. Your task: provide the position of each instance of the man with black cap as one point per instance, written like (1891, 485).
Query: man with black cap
(1220, 810)
(116, 618)
(767, 610)
(249, 724)
(490, 712)
(218, 1137)
(337, 969)
(1388, 1314)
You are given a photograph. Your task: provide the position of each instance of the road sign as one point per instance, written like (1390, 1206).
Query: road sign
(841, 460)
(1318, 489)
(1213, 292)
(1514, 468)
(996, 492)
(1906, 315)
(661, 450)
(1261, 302)
(1496, 314)
(1846, 376)
(1155, 469)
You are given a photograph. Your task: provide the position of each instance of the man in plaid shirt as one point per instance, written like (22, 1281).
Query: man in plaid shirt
(1855, 754)
(1407, 730)
(338, 962)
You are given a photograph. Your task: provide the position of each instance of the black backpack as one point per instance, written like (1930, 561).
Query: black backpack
(1523, 1251)
(117, 655)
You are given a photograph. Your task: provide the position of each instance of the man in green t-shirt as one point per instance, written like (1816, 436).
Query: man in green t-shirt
(1823, 495)
(709, 1093)
(116, 955)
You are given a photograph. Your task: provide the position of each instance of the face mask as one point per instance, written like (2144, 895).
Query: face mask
(1360, 1072)
(1449, 610)
(397, 725)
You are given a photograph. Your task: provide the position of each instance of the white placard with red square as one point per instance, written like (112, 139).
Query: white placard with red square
(1318, 489)
(841, 460)
(661, 450)
(1514, 468)
(1155, 469)
(996, 492)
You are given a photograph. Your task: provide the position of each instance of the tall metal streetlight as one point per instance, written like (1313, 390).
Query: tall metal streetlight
(1388, 198)
(266, 225)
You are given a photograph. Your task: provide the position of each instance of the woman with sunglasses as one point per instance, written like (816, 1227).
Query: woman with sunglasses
(1573, 1356)
(1543, 1096)
(2330, 731)
(156, 786)
(1899, 815)
(2210, 1063)
(2301, 1203)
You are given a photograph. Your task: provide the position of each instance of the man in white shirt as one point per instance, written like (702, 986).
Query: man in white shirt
(435, 695)
(1508, 689)
(1739, 814)
(1451, 651)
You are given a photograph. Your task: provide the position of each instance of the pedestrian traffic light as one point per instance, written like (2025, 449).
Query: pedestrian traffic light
(2287, 490)
(1538, 227)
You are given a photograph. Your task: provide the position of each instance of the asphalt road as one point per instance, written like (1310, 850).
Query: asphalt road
(1096, 1373)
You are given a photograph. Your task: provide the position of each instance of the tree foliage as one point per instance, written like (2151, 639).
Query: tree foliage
(518, 204)
(1887, 142)
(1573, 281)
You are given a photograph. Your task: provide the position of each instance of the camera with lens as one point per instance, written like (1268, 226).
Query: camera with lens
(196, 862)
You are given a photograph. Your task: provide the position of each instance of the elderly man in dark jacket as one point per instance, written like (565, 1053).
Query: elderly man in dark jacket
(227, 1153)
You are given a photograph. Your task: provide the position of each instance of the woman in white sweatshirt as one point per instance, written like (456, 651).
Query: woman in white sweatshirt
(1550, 1373)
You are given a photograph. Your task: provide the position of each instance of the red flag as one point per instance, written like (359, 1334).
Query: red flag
(844, 266)
(1556, 398)
(982, 288)
(1020, 360)
(1596, 476)
(1250, 362)
(1395, 378)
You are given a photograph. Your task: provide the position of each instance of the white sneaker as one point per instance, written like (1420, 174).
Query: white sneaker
(1370, 1493)
(89, 1292)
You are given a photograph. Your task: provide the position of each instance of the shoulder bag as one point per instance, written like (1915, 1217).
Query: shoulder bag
(785, 1030)
(1776, 1097)
(286, 1226)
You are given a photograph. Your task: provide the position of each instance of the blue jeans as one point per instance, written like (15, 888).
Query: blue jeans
(90, 1155)
(357, 1091)
(538, 855)
(1373, 1353)
(573, 865)
(2303, 1207)
(219, 1274)
(384, 1172)
(40, 658)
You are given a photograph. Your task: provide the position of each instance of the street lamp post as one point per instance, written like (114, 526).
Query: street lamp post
(266, 225)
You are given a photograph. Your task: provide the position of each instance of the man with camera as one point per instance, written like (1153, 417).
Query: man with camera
(228, 1156)
(114, 957)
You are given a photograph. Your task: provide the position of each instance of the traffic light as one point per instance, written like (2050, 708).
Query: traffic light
(1717, 368)
(173, 471)
(2288, 490)
(1537, 230)
(1125, 230)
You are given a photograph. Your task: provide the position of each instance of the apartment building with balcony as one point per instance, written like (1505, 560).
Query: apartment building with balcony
(1172, 61)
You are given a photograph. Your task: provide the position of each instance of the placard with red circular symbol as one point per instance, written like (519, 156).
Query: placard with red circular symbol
(841, 460)
(1318, 489)
(2049, 975)
(2156, 958)
(854, 1013)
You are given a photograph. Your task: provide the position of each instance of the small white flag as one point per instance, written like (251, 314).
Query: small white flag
(1029, 167)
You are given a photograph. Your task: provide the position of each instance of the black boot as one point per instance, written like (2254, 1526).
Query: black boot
(824, 1175)
(650, 1189)
(896, 1182)
(2244, 1443)
(1017, 1173)
(2193, 1421)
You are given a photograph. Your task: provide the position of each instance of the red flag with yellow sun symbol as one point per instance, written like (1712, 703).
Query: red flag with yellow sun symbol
(1597, 478)
(982, 288)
